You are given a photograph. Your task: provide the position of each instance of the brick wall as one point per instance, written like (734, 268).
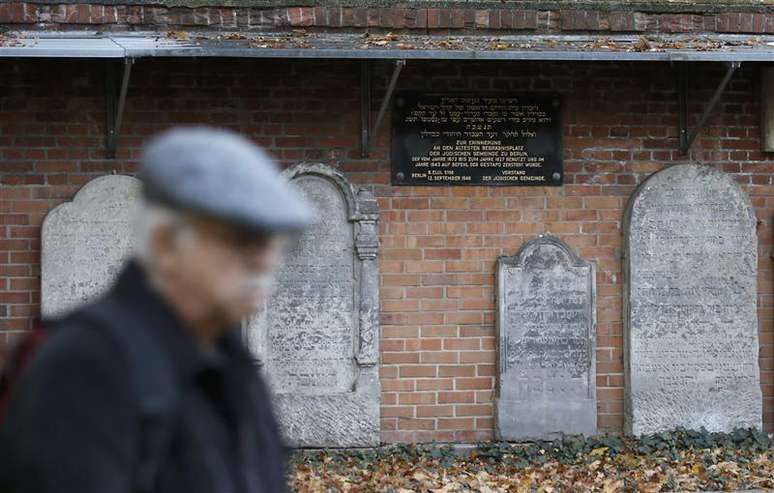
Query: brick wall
(523, 19)
(439, 244)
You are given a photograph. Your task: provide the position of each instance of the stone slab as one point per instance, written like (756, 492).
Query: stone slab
(317, 340)
(84, 243)
(691, 328)
(547, 341)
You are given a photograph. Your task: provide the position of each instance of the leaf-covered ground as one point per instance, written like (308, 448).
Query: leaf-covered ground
(678, 461)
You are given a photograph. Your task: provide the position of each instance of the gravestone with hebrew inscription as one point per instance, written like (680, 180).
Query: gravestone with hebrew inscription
(691, 329)
(84, 243)
(547, 333)
(318, 338)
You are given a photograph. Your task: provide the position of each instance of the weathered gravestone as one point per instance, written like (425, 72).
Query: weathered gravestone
(547, 334)
(318, 338)
(691, 332)
(85, 242)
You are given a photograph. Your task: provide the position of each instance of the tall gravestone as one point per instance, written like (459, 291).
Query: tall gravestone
(318, 338)
(691, 330)
(84, 243)
(547, 340)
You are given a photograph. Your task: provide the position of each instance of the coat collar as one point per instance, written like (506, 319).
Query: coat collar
(153, 314)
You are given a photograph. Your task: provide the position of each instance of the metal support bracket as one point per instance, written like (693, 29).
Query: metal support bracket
(687, 137)
(114, 104)
(366, 131)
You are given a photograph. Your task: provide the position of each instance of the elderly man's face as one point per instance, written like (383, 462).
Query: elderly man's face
(225, 268)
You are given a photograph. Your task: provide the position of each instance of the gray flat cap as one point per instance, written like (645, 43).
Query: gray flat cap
(220, 174)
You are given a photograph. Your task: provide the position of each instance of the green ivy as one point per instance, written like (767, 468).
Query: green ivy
(570, 449)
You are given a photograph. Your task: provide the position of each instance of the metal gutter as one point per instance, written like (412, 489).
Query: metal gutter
(151, 45)
(65, 47)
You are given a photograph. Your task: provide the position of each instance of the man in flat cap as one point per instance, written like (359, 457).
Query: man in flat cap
(150, 389)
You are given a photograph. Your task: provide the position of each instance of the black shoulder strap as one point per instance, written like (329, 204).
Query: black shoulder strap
(155, 382)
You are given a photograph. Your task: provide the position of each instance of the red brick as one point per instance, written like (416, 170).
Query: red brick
(399, 358)
(439, 331)
(347, 17)
(400, 305)
(14, 297)
(482, 19)
(433, 18)
(486, 370)
(473, 383)
(424, 293)
(439, 305)
(494, 19)
(418, 19)
(464, 216)
(426, 357)
(426, 371)
(455, 423)
(398, 385)
(435, 384)
(477, 357)
(18, 13)
(228, 17)
(434, 411)
(424, 344)
(456, 397)
(442, 254)
(464, 318)
(456, 371)
(464, 343)
(360, 17)
(415, 424)
(320, 16)
(393, 18)
(417, 398)
(473, 410)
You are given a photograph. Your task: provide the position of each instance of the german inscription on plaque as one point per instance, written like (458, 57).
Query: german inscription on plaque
(546, 329)
(476, 140)
(690, 304)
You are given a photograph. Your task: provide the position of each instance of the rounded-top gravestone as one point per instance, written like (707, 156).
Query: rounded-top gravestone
(691, 329)
(86, 242)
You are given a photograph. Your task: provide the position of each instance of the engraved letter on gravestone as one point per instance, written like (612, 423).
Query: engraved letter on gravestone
(85, 242)
(690, 304)
(318, 337)
(547, 334)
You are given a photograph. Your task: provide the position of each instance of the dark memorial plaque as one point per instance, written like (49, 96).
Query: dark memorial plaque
(451, 139)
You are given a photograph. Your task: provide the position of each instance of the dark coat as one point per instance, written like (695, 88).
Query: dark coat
(76, 422)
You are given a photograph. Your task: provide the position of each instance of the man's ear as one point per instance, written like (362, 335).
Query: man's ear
(163, 245)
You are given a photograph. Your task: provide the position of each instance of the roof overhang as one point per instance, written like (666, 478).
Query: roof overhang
(304, 45)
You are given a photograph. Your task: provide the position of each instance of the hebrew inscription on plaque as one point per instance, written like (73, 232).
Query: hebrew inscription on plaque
(453, 139)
